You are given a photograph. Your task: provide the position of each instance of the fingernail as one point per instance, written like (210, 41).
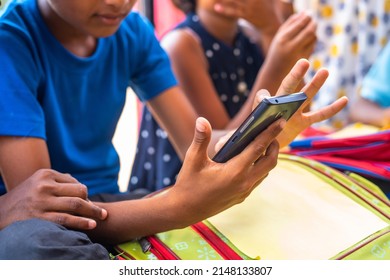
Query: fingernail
(91, 224)
(282, 123)
(261, 95)
(104, 214)
(200, 125)
(218, 7)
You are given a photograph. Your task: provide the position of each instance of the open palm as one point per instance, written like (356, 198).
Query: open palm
(301, 119)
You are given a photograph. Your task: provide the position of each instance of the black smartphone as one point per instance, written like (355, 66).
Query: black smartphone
(267, 111)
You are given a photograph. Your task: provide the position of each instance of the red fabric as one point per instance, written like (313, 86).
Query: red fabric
(373, 147)
(367, 155)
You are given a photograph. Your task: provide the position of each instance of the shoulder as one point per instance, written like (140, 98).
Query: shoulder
(20, 22)
(182, 41)
(18, 31)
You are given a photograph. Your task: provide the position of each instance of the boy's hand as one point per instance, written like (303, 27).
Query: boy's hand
(205, 188)
(52, 196)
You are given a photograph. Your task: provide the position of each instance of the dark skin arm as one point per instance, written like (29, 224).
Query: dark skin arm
(218, 186)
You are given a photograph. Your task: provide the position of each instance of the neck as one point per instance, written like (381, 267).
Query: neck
(74, 40)
(223, 28)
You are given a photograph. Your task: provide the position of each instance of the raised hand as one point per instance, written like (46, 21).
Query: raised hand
(295, 39)
(301, 119)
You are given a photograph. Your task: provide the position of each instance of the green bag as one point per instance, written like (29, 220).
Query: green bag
(302, 210)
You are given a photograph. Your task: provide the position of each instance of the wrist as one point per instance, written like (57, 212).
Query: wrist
(270, 30)
(176, 209)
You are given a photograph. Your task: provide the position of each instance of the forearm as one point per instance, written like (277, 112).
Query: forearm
(20, 157)
(267, 34)
(4, 215)
(176, 115)
(132, 219)
(269, 77)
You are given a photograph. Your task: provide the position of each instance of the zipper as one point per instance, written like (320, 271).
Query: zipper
(154, 245)
(123, 253)
(225, 251)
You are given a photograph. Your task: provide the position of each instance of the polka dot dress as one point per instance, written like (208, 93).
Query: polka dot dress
(350, 34)
(233, 70)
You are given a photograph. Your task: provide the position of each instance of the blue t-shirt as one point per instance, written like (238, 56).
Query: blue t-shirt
(376, 86)
(74, 103)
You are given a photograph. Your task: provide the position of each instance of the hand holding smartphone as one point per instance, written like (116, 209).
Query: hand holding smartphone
(269, 110)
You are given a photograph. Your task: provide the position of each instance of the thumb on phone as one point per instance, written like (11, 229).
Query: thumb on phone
(260, 95)
(201, 139)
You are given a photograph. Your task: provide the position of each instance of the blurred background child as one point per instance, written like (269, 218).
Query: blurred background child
(350, 36)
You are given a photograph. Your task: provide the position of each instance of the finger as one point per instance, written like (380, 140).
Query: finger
(223, 140)
(306, 34)
(309, 46)
(267, 162)
(296, 24)
(77, 206)
(260, 95)
(71, 221)
(260, 144)
(63, 177)
(315, 84)
(70, 190)
(327, 111)
(294, 77)
(202, 136)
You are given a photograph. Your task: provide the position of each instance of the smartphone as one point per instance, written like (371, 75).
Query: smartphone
(267, 111)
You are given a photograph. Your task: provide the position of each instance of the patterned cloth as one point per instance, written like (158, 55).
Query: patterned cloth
(233, 71)
(351, 33)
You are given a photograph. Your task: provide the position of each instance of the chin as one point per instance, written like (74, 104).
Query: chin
(106, 32)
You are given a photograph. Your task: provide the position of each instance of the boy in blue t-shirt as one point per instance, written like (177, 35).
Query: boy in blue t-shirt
(66, 65)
